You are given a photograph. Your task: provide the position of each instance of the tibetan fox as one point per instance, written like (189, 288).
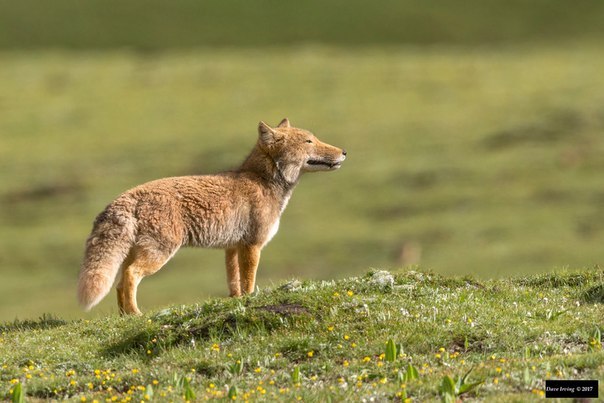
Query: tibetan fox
(237, 211)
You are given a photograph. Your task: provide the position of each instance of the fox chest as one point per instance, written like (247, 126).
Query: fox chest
(272, 231)
(274, 227)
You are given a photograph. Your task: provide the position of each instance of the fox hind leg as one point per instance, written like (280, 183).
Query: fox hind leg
(126, 291)
(144, 262)
(121, 295)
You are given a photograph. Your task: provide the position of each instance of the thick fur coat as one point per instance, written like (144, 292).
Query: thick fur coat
(237, 211)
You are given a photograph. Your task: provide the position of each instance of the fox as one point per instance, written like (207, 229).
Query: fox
(237, 210)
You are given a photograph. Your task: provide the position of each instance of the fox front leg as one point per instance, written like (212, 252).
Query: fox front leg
(248, 257)
(232, 267)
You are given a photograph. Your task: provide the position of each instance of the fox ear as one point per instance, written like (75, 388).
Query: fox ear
(267, 134)
(284, 123)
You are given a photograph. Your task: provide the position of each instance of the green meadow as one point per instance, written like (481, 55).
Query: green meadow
(456, 255)
(383, 336)
(482, 161)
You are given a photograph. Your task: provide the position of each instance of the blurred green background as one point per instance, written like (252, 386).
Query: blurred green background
(475, 133)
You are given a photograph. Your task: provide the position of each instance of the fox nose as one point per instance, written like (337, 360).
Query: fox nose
(343, 152)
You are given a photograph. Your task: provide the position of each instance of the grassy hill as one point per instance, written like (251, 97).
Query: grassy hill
(382, 336)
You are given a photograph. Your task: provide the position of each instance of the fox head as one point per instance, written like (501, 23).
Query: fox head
(296, 151)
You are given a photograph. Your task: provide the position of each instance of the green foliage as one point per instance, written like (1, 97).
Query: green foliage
(451, 389)
(18, 394)
(233, 392)
(236, 368)
(553, 314)
(188, 392)
(447, 390)
(295, 376)
(411, 373)
(595, 340)
(391, 351)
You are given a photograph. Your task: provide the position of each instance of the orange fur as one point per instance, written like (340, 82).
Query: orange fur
(237, 211)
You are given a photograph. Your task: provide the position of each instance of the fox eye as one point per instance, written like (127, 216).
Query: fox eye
(309, 141)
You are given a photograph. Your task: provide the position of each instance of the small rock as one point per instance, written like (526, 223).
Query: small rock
(290, 286)
(381, 279)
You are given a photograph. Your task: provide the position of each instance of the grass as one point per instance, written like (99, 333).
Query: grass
(151, 25)
(476, 161)
(474, 140)
(380, 336)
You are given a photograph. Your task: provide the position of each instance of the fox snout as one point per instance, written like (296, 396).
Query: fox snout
(327, 159)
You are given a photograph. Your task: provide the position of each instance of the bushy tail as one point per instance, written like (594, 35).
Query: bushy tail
(107, 247)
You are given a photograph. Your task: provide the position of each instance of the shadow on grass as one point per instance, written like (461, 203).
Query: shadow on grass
(172, 330)
(46, 321)
(594, 295)
(555, 280)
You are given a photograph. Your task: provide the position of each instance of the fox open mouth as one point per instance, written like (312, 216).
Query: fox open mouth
(328, 164)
